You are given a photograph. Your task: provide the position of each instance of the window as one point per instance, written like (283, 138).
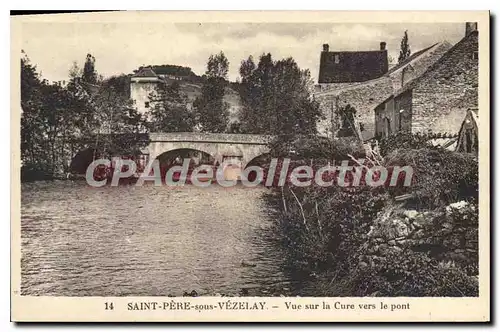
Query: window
(337, 58)
(146, 104)
(475, 55)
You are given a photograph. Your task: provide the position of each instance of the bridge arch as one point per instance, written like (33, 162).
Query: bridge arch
(244, 147)
(261, 160)
(159, 148)
(81, 160)
(197, 156)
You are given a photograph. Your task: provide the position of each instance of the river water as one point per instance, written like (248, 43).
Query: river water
(147, 241)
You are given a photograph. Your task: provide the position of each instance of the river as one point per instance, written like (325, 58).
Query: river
(147, 241)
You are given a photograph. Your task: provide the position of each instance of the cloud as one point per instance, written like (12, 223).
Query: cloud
(122, 47)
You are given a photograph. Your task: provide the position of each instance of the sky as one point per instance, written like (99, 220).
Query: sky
(124, 46)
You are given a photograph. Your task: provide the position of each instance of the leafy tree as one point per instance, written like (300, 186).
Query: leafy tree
(347, 121)
(248, 92)
(52, 117)
(118, 122)
(89, 73)
(211, 111)
(217, 66)
(405, 51)
(75, 71)
(58, 121)
(169, 112)
(276, 97)
(119, 83)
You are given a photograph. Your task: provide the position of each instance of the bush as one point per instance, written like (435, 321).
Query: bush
(440, 177)
(411, 273)
(325, 231)
(402, 141)
(36, 172)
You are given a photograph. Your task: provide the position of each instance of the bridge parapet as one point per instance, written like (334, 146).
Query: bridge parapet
(210, 138)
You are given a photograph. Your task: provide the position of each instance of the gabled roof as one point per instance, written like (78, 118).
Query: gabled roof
(145, 72)
(357, 66)
(415, 81)
(409, 59)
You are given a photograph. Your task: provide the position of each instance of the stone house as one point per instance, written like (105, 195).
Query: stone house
(364, 89)
(438, 100)
(146, 79)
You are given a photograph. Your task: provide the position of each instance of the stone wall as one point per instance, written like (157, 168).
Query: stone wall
(363, 97)
(445, 92)
(448, 235)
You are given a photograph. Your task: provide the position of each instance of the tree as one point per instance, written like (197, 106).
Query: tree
(276, 98)
(57, 121)
(75, 71)
(118, 121)
(211, 111)
(347, 121)
(52, 116)
(405, 51)
(89, 74)
(248, 91)
(169, 112)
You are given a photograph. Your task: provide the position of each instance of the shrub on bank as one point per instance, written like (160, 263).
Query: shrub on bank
(440, 176)
(330, 230)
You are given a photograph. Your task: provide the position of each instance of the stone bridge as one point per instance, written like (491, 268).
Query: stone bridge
(220, 146)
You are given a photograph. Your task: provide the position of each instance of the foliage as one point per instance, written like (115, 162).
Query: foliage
(75, 71)
(405, 51)
(118, 122)
(318, 148)
(89, 74)
(120, 85)
(440, 176)
(403, 140)
(347, 115)
(276, 98)
(410, 273)
(325, 230)
(211, 111)
(50, 114)
(169, 112)
(57, 121)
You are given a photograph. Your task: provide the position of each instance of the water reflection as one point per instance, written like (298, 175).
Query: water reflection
(140, 241)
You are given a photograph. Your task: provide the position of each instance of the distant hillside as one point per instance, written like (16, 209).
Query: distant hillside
(184, 73)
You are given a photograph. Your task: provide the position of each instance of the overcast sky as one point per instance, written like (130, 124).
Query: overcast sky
(122, 47)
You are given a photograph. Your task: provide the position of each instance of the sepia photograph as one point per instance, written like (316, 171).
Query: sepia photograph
(256, 159)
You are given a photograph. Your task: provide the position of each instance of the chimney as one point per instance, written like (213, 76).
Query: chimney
(382, 46)
(326, 48)
(470, 27)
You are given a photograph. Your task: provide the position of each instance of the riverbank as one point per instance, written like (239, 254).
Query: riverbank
(364, 241)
